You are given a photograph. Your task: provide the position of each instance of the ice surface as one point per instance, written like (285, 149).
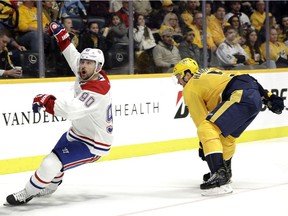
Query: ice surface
(164, 185)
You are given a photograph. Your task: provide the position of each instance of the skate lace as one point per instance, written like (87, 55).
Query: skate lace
(21, 196)
(212, 178)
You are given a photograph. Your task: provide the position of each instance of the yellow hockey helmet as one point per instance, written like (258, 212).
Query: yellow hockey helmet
(185, 65)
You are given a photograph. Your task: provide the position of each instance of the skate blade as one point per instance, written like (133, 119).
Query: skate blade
(8, 205)
(224, 189)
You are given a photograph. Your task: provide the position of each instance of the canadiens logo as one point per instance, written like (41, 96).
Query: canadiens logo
(54, 26)
(182, 111)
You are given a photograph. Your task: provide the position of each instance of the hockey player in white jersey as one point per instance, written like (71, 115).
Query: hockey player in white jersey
(90, 112)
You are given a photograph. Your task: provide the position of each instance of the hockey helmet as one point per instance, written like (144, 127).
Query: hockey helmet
(94, 55)
(184, 66)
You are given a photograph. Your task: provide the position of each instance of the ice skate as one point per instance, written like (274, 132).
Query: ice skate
(208, 175)
(19, 198)
(49, 190)
(217, 179)
(228, 170)
(218, 183)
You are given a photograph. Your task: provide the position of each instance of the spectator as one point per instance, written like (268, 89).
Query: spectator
(209, 14)
(272, 24)
(73, 8)
(27, 27)
(73, 34)
(197, 27)
(247, 7)
(188, 49)
(50, 12)
(142, 34)
(165, 54)
(116, 32)
(171, 21)
(258, 16)
(114, 5)
(284, 28)
(255, 56)
(142, 7)
(144, 43)
(15, 50)
(92, 38)
(235, 9)
(234, 21)
(124, 12)
(218, 24)
(278, 50)
(156, 20)
(188, 14)
(230, 54)
(278, 9)
(7, 68)
(5, 11)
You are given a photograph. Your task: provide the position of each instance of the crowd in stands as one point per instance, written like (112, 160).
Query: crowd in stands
(163, 32)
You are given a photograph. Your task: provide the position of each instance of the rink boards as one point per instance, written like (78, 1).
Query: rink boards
(148, 114)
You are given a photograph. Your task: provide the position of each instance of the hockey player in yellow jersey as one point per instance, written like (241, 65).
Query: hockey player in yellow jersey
(222, 105)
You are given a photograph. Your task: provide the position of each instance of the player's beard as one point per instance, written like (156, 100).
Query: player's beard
(86, 76)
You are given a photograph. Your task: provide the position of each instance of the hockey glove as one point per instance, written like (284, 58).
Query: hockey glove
(274, 104)
(240, 58)
(58, 31)
(201, 152)
(43, 101)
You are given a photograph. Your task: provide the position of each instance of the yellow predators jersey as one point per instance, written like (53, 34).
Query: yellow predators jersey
(203, 92)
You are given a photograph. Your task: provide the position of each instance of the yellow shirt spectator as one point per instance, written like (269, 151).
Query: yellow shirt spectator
(216, 28)
(258, 19)
(258, 16)
(257, 59)
(5, 11)
(197, 27)
(187, 18)
(198, 39)
(277, 49)
(28, 19)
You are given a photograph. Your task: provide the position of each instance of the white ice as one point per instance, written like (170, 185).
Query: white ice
(164, 185)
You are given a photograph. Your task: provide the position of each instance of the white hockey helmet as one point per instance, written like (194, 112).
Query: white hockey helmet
(94, 55)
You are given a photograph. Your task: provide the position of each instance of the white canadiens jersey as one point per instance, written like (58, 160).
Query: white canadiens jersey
(90, 111)
(225, 53)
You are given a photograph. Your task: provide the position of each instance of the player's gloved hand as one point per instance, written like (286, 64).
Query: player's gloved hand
(40, 101)
(274, 104)
(58, 31)
(201, 152)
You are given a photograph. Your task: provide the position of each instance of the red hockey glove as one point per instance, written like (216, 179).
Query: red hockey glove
(58, 31)
(43, 100)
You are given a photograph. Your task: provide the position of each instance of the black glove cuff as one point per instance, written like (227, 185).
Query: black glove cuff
(201, 152)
